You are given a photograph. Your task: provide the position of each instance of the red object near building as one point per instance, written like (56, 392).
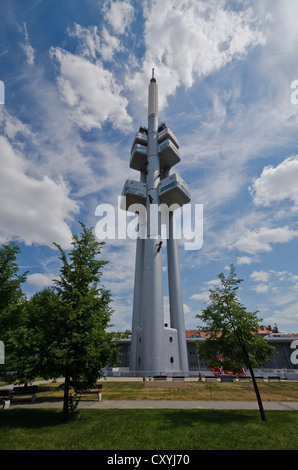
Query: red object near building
(218, 370)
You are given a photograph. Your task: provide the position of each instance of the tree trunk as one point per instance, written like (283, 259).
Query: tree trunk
(257, 392)
(66, 395)
(262, 411)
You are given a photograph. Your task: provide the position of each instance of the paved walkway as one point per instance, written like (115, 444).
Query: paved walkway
(158, 404)
(163, 404)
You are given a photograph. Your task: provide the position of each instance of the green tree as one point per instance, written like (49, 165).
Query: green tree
(232, 340)
(31, 343)
(82, 346)
(11, 294)
(62, 330)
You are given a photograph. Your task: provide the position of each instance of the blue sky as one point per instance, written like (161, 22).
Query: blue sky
(76, 76)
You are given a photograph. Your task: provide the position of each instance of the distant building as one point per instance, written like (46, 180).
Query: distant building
(280, 362)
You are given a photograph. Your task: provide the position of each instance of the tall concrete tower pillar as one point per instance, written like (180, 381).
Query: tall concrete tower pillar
(153, 354)
(175, 293)
(156, 348)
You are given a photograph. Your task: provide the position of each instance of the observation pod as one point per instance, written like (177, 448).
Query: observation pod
(174, 190)
(134, 192)
(140, 138)
(168, 154)
(165, 133)
(138, 160)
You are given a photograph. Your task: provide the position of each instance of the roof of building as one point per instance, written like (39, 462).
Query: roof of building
(262, 331)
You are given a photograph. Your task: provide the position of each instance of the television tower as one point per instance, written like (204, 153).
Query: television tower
(157, 348)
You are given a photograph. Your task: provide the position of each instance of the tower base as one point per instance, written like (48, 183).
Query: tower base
(171, 363)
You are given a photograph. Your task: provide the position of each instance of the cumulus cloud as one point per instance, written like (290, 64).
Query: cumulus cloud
(32, 210)
(260, 276)
(91, 92)
(254, 241)
(282, 286)
(203, 296)
(119, 14)
(261, 288)
(187, 39)
(93, 44)
(277, 183)
(90, 43)
(244, 260)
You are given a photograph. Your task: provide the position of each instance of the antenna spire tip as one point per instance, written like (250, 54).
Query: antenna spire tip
(153, 79)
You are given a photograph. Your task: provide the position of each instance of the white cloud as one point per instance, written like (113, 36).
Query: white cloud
(282, 284)
(287, 316)
(119, 14)
(91, 92)
(244, 260)
(261, 240)
(41, 280)
(282, 301)
(121, 316)
(109, 45)
(277, 184)
(118, 275)
(94, 45)
(213, 283)
(50, 142)
(187, 39)
(33, 211)
(90, 43)
(13, 126)
(27, 48)
(261, 288)
(260, 276)
(203, 296)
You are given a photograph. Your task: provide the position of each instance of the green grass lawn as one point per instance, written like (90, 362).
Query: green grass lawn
(154, 390)
(157, 429)
(43, 429)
